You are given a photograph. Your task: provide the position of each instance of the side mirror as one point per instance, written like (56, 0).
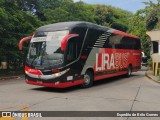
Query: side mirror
(23, 40)
(65, 40)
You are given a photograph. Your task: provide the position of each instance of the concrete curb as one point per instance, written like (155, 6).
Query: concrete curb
(150, 75)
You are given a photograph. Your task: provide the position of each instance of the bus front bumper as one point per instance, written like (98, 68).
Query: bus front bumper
(56, 84)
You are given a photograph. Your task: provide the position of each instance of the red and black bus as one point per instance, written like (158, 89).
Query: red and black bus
(77, 53)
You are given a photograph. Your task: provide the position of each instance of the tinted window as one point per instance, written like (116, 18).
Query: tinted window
(115, 41)
(155, 47)
(131, 43)
(81, 31)
(72, 50)
(138, 44)
(121, 42)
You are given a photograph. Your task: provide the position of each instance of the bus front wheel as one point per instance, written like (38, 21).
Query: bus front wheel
(88, 80)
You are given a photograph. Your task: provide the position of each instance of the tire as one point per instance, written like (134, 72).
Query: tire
(129, 71)
(88, 80)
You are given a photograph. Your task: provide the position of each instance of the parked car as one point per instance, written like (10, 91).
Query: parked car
(144, 61)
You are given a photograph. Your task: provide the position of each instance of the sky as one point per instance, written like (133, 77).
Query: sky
(130, 5)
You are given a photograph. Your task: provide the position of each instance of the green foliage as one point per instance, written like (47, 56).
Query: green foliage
(68, 11)
(14, 25)
(150, 63)
(56, 15)
(137, 27)
(20, 18)
(112, 17)
(52, 11)
(145, 20)
(152, 15)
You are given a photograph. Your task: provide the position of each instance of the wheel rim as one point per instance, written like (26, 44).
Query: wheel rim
(87, 79)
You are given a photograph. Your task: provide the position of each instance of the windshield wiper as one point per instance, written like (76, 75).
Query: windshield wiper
(33, 61)
(40, 53)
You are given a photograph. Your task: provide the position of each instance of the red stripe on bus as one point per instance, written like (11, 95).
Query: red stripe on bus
(60, 85)
(100, 77)
(125, 34)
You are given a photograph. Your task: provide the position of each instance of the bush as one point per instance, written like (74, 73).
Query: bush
(150, 62)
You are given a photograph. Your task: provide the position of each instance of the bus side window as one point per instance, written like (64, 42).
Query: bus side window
(72, 50)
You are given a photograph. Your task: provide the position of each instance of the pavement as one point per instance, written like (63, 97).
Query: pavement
(150, 75)
(136, 93)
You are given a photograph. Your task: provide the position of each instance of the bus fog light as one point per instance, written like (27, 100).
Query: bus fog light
(69, 78)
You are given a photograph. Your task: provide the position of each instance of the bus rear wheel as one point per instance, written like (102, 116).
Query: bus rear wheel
(88, 80)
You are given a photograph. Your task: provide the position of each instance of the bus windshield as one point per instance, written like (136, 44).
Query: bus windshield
(45, 49)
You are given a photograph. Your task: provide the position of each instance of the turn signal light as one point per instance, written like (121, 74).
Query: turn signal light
(32, 71)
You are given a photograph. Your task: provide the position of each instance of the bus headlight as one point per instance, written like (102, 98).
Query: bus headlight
(46, 77)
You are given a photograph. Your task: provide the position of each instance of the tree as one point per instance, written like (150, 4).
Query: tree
(14, 25)
(145, 20)
(19, 18)
(112, 17)
(152, 15)
(137, 27)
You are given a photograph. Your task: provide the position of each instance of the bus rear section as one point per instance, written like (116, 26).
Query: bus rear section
(77, 53)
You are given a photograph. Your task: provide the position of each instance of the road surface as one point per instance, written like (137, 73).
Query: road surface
(136, 93)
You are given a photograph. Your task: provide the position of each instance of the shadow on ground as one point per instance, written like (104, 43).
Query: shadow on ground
(74, 88)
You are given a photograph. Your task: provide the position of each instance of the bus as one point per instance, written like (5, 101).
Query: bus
(66, 54)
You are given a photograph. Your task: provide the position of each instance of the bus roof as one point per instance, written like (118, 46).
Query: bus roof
(72, 24)
(125, 34)
(69, 25)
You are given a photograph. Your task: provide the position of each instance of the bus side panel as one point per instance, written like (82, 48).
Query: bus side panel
(108, 62)
(113, 57)
(136, 60)
(114, 62)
